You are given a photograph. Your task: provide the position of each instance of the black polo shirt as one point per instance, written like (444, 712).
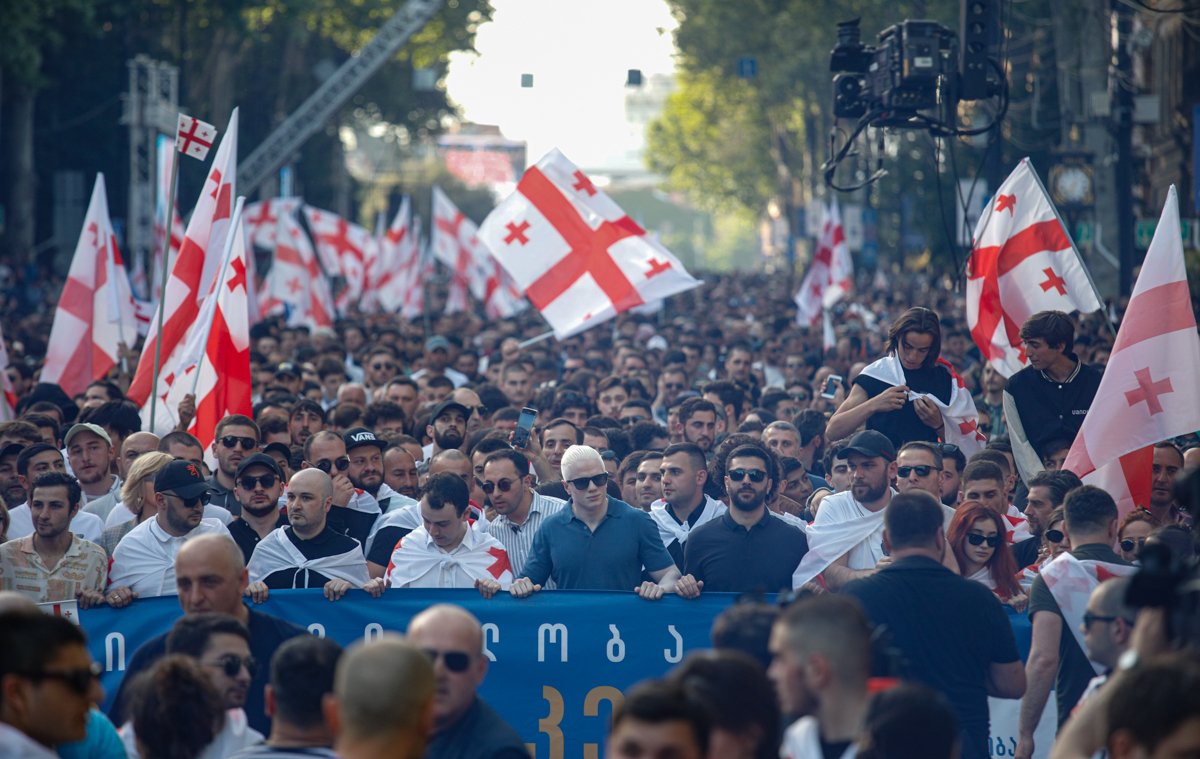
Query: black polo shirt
(326, 543)
(1052, 410)
(731, 559)
(245, 536)
(948, 631)
(903, 425)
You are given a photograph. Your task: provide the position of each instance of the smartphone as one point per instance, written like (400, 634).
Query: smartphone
(520, 438)
(832, 382)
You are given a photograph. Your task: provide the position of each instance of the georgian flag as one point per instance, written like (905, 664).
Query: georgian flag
(1071, 582)
(456, 244)
(295, 280)
(574, 253)
(343, 248)
(831, 274)
(262, 219)
(829, 542)
(194, 137)
(671, 531)
(415, 556)
(277, 552)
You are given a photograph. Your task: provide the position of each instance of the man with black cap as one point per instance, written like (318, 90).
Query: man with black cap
(366, 468)
(307, 553)
(258, 487)
(447, 427)
(355, 510)
(288, 375)
(143, 563)
(437, 362)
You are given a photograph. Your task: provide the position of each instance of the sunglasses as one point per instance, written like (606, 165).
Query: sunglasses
(249, 481)
(755, 475)
(629, 421)
(1089, 619)
(1128, 545)
(582, 483)
(490, 487)
(674, 385)
(922, 470)
(978, 540)
(342, 463)
(191, 503)
(381, 367)
(480, 410)
(78, 680)
(456, 661)
(231, 665)
(1055, 536)
(233, 441)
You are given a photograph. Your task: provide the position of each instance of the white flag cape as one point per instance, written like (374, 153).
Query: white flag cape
(829, 542)
(277, 552)
(414, 557)
(670, 530)
(1071, 582)
(960, 415)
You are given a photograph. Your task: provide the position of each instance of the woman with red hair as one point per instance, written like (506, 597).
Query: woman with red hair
(978, 538)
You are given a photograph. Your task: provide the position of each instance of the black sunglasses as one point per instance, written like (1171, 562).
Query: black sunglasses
(192, 503)
(755, 475)
(456, 661)
(1128, 545)
(249, 481)
(342, 463)
(582, 483)
(78, 680)
(231, 665)
(380, 367)
(1090, 619)
(629, 421)
(922, 470)
(978, 540)
(1055, 536)
(490, 487)
(233, 441)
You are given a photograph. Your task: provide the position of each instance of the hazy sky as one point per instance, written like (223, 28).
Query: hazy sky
(578, 52)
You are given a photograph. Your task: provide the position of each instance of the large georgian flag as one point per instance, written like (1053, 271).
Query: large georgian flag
(191, 275)
(343, 247)
(262, 219)
(1022, 262)
(296, 279)
(574, 253)
(1148, 392)
(831, 274)
(95, 311)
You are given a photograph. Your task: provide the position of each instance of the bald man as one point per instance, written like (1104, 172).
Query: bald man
(135, 445)
(210, 575)
(464, 726)
(382, 700)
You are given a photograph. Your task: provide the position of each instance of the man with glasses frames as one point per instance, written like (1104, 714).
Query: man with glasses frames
(520, 510)
(1107, 629)
(464, 725)
(354, 510)
(919, 467)
(596, 542)
(259, 489)
(381, 367)
(143, 563)
(634, 411)
(236, 438)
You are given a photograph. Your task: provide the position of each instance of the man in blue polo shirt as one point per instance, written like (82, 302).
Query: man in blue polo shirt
(597, 542)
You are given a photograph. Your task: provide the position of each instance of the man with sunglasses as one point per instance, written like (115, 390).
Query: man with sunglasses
(464, 725)
(354, 510)
(520, 510)
(919, 467)
(236, 438)
(259, 488)
(596, 542)
(143, 563)
(380, 368)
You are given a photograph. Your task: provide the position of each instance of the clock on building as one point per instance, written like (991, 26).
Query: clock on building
(1073, 184)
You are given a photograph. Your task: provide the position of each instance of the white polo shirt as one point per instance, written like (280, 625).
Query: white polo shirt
(144, 560)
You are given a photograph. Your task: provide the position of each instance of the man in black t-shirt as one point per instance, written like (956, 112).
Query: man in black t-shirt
(257, 488)
(952, 633)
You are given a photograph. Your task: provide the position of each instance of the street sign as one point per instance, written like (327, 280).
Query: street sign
(1144, 232)
(747, 67)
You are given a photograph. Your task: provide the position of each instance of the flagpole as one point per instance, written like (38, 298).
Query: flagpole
(230, 238)
(534, 340)
(162, 291)
(1074, 249)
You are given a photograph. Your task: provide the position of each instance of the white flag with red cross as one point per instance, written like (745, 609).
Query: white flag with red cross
(192, 273)
(397, 247)
(262, 219)
(1022, 262)
(574, 253)
(1148, 392)
(831, 274)
(456, 244)
(1071, 582)
(296, 279)
(8, 396)
(194, 137)
(417, 269)
(343, 248)
(95, 311)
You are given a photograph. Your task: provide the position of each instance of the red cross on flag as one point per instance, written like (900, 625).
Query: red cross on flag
(831, 274)
(574, 253)
(215, 360)
(397, 250)
(8, 397)
(95, 311)
(262, 218)
(296, 280)
(188, 283)
(456, 244)
(417, 269)
(194, 137)
(343, 248)
(1022, 262)
(1148, 390)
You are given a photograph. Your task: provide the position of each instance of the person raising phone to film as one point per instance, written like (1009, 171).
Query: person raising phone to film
(915, 340)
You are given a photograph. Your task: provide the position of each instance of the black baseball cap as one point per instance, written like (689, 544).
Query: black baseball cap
(870, 443)
(443, 408)
(183, 478)
(360, 436)
(280, 447)
(259, 459)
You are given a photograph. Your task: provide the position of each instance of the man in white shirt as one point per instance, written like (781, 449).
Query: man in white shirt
(143, 563)
(35, 460)
(90, 452)
(445, 552)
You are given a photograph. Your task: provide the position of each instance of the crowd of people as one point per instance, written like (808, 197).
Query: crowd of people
(713, 446)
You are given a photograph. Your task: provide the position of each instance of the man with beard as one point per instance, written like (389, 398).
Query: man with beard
(235, 439)
(447, 427)
(748, 548)
(365, 452)
(90, 452)
(684, 507)
(400, 472)
(919, 467)
(11, 488)
(259, 485)
(559, 435)
(821, 661)
(1047, 491)
(354, 511)
(698, 423)
(520, 510)
(1168, 461)
(305, 420)
(403, 392)
(648, 486)
(307, 553)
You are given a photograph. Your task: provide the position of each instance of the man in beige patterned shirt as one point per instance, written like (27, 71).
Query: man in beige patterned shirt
(54, 564)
